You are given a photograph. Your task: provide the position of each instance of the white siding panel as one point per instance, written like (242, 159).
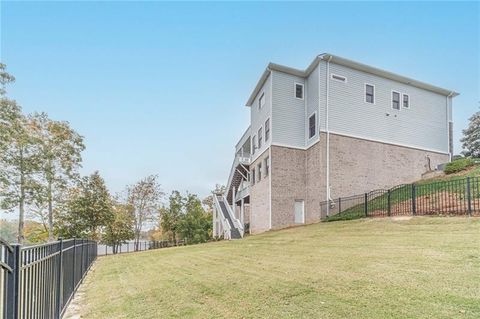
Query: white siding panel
(288, 112)
(423, 125)
(259, 116)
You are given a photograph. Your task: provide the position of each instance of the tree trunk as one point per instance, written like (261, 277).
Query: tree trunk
(21, 208)
(50, 212)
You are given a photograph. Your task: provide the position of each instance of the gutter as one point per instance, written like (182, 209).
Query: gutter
(328, 135)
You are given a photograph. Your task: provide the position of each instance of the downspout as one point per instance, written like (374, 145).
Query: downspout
(328, 136)
(448, 128)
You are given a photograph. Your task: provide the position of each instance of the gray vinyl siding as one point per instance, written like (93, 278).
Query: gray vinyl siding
(423, 125)
(258, 117)
(312, 104)
(288, 112)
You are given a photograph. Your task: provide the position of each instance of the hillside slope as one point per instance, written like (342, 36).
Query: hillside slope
(369, 268)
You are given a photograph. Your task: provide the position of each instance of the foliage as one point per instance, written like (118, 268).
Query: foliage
(8, 230)
(458, 165)
(87, 210)
(170, 217)
(471, 136)
(144, 198)
(19, 160)
(208, 201)
(120, 228)
(60, 150)
(195, 226)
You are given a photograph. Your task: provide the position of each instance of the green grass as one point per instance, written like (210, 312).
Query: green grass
(368, 268)
(402, 193)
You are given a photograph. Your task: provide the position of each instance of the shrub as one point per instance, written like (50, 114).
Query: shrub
(459, 165)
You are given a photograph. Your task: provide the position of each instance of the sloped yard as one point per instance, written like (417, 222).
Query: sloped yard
(371, 268)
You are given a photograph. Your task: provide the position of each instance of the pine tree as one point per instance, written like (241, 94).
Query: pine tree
(471, 137)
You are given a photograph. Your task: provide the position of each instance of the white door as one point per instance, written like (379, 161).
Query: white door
(299, 212)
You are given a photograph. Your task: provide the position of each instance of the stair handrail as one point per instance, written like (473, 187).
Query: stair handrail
(227, 230)
(236, 222)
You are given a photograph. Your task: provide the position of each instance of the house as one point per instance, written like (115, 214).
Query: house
(335, 129)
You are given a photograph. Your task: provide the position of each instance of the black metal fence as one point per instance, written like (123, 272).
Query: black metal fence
(453, 197)
(39, 281)
(129, 247)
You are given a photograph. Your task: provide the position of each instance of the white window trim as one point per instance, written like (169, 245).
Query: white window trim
(406, 107)
(399, 102)
(260, 106)
(295, 90)
(265, 130)
(316, 126)
(333, 75)
(365, 93)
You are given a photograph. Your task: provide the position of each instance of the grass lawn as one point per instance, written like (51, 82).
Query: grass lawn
(426, 267)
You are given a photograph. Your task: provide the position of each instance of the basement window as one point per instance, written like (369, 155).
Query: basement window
(339, 78)
(267, 166)
(259, 171)
(252, 176)
(299, 91)
(395, 100)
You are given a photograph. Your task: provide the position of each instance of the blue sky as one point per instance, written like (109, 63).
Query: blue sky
(160, 88)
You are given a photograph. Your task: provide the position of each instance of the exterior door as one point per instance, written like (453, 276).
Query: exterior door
(299, 212)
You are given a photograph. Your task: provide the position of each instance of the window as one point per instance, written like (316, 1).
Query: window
(252, 176)
(339, 78)
(259, 171)
(311, 126)
(260, 137)
(369, 93)
(267, 130)
(395, 100)
(406, 101)
(299, 91)
(267, 165)
(254, 143)
(261, 101)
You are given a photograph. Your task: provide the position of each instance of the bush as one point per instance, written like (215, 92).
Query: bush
(458, 165)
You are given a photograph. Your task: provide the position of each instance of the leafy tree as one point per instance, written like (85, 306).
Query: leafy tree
(87, 210)
(144, 198)
(471, 137)
(19, 159)
(196, 225)
(208, 201)
(171, 216)
(60, 154)
(120, 228)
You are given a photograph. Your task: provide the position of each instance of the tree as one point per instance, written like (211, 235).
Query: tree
(87, 210)
(19, 159)
(60, 157)
(120, 228)
(471, 137)
(208, 201)
(144, 198)
(170, 217)
(195, 226)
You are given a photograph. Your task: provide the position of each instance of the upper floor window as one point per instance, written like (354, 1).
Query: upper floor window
(267, 130)
(369, 93)
(260, 137)
(312, 126)
(339, 78)
(395, 100)
(261, 101)
(406, 101)
(299, 91)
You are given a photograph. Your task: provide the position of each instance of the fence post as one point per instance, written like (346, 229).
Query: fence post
(339, 205)
(13, 283)
(81, 262)
(414, 200)
(74, 261)
(59, 279)
(469, 197)
(389, 204)
(366, 204)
